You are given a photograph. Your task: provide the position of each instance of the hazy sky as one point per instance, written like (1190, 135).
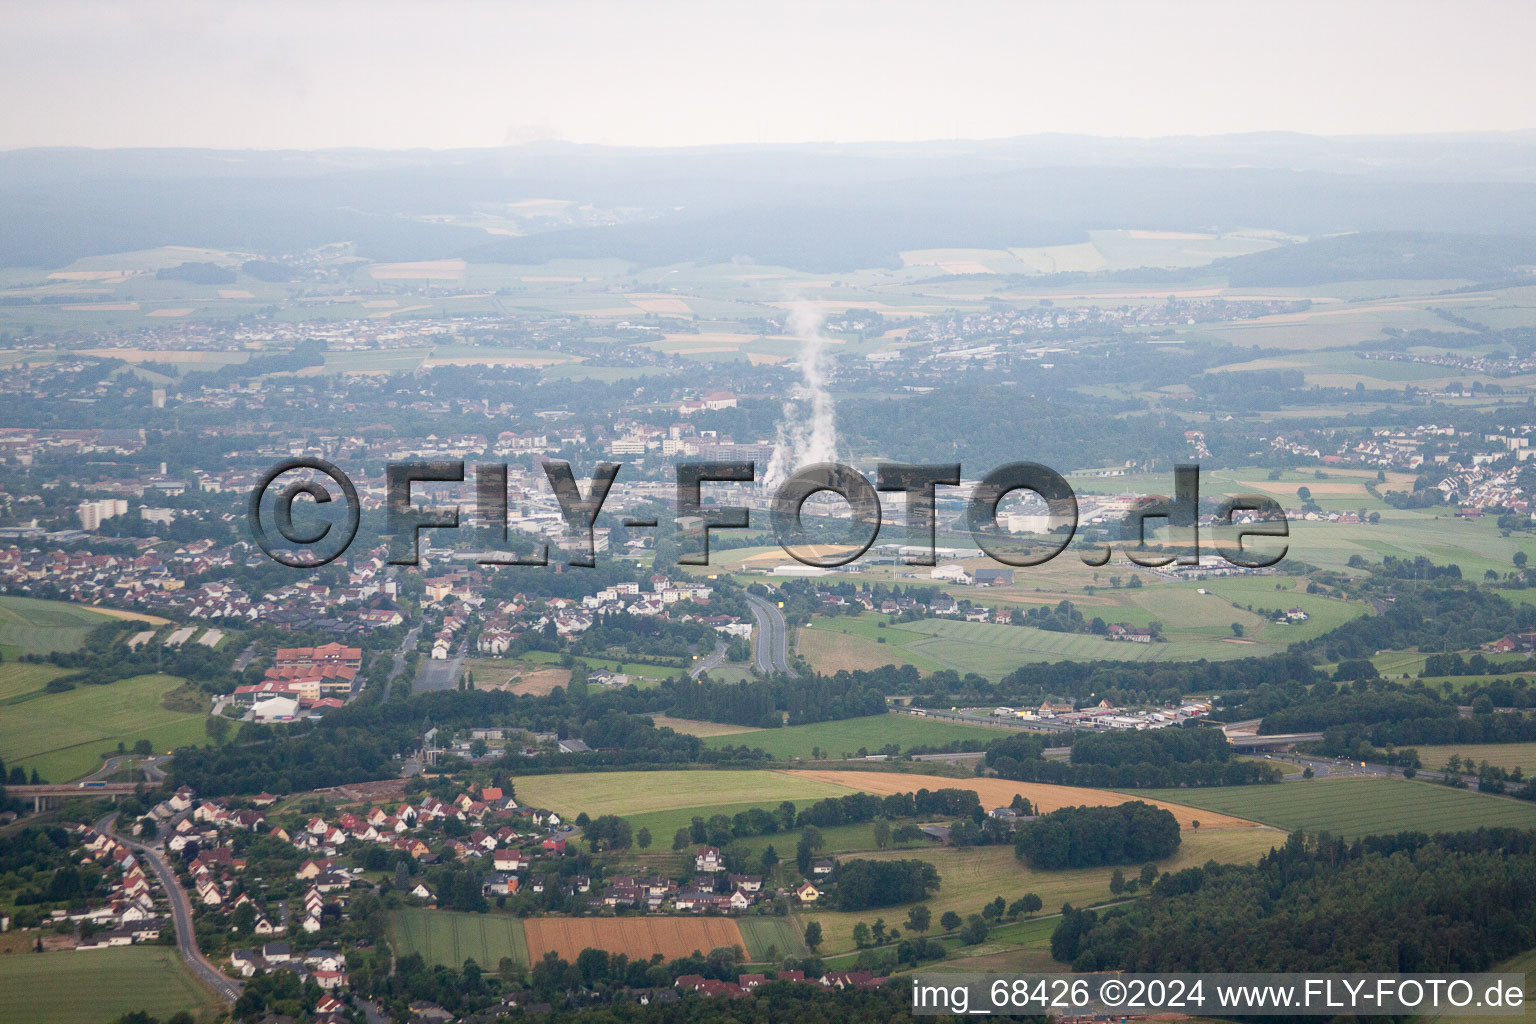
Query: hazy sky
(444, 74)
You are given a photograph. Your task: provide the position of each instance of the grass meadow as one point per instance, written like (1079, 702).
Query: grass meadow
(63, 735)
(1358, 807)
(846, 737)
(99, 985)
(972, 877)
(30, 626)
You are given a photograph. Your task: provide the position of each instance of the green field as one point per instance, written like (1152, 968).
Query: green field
(30, 626)
(1022, 946)
(20, 681)
(843, 738)
(1195, 625)
(1524, 964)
(840, 839)
(63, 735)
(450, 937)
(98, 985)
(1358, 807)
(1500, 755)
(973, 876)
(638, 793)
(1473, 544)
(664, 824)
(995, 650)
(764, 934)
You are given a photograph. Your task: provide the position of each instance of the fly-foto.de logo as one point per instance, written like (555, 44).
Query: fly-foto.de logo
(321, 537)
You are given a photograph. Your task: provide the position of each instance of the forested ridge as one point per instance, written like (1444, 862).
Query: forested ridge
(1398, 903)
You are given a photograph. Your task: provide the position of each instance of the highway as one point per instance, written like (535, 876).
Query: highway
(770, 653)
(181, 913)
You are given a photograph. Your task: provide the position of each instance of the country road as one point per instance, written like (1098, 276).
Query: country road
(181, 914)
(151, 767)
(771, 652)
(714, 659)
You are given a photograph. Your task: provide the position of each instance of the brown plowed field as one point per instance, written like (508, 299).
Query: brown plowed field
(637, 937)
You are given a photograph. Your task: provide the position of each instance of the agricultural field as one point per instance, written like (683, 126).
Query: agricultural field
(639, 793)
(1022, 946)
(1524, 964)
(971, 877)
(1359, 807)
(1500, 755)
(99, 985)
(840, 839)
(451, 937)
(764, 935)
(30, 626)
(994, 650)
(663, 824)
(690, 727)
(1045, 797)
(1473, 544)
(844, 738)
(831, 647)
(20, 681)
(63, 735)
(637, 937)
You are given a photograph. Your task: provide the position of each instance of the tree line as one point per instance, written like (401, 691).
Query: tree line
(1123, 759)
(1400, 903)
(1085, 837)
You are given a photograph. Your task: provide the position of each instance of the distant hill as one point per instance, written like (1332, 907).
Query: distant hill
(1382, 255)
(818, 208)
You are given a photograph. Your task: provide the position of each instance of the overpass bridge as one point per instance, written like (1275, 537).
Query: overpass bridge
(1278, 741)
(48, 796)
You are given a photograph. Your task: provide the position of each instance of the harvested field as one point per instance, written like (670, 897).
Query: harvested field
(538, 682)
(450, 270)
(638, 938)
(112, 276)
(123, 613)
(660, 304)
(490, 358)
(998, 793)
(691, 727)
(831, 652)
(149, 355)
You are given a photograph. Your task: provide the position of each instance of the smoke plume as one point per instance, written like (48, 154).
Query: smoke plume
(807, 428)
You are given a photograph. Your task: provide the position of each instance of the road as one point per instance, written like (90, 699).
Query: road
(771, 652)
(181, 913)
(406, 645)
(113, 765)
(245, 658)
(714, 659)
